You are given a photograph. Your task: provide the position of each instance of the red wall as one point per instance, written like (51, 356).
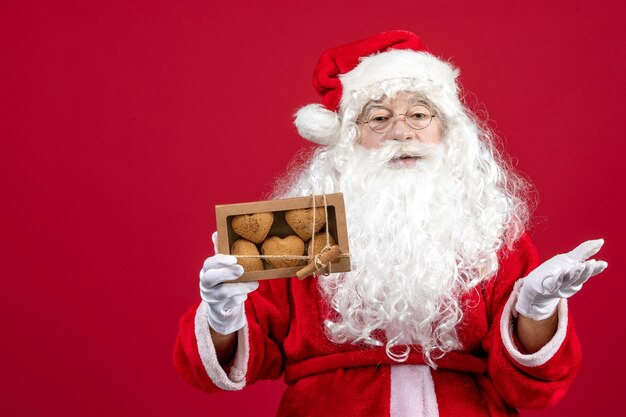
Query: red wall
(122, 124)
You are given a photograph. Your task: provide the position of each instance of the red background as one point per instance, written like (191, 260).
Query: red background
(124, 123)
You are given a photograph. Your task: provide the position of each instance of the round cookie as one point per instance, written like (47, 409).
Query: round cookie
(301, 221)
(253, 227)
(244, 247)
(290, 245)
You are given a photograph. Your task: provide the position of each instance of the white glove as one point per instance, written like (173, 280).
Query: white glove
(559, 277)
(226, 309)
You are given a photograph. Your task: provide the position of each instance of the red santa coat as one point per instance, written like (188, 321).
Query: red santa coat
(284, 336)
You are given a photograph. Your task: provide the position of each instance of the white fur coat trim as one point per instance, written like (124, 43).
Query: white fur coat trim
(412, 392)
(544, 354)
(236, 379)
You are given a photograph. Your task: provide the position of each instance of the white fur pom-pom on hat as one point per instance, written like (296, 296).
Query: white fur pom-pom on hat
(317, 124)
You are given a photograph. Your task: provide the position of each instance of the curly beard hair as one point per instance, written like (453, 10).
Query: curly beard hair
(419, 237)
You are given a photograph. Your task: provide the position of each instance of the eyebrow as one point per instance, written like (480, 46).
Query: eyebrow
(418, 100)
(369, 107)
(373, 105)
(377, 104)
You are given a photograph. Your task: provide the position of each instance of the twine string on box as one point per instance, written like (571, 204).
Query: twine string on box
(317, 259)
(318, 263)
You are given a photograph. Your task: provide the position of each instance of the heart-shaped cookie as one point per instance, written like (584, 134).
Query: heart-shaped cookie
(288, 246)
(316, 245)
(244, 247)
(253, 227)
(301, 221)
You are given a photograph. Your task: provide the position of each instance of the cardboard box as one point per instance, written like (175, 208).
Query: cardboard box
(336, 228)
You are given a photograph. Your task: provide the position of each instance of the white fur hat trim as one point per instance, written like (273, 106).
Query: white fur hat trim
(399, 63)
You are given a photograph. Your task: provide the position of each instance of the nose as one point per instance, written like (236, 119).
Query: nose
(400, 130)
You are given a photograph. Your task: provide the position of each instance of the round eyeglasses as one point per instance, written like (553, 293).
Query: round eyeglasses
(382, 120)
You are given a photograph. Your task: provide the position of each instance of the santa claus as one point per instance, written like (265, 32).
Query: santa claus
(446, 311)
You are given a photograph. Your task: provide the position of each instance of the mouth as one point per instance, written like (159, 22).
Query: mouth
(404, 161)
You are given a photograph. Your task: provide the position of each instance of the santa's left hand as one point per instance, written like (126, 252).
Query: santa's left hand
(559, 277)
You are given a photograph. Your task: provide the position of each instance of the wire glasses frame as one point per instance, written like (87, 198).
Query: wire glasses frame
(417, 118)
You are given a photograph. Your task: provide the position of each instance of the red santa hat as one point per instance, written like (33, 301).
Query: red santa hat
(348, 76)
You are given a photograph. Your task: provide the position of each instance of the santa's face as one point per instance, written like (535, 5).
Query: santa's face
(413, 112)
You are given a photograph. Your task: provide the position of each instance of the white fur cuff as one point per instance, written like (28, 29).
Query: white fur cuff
(544, 354)
(236, 379)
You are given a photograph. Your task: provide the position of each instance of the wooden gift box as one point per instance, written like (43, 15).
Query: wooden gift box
(336, 227)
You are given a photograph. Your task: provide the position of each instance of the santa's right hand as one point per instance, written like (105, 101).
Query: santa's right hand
(225, 301)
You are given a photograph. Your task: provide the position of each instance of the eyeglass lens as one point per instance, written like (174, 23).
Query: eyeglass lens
(381, 120)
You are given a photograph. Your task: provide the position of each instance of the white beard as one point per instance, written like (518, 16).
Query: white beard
(420, 238)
